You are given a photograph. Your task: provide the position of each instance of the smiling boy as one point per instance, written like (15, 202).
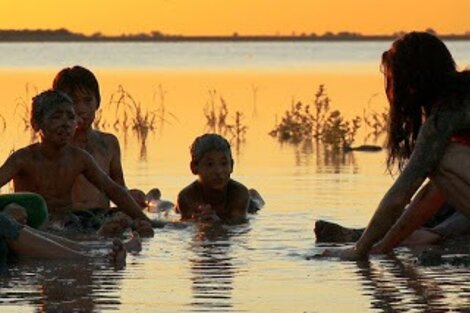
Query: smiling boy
(82, 86)
(214, 196)
(50, 167)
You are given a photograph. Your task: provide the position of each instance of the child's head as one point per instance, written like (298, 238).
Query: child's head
(44, 104)
(17, 212)
(82, 86)
(77, 80)
(211, 160)
(418, 71)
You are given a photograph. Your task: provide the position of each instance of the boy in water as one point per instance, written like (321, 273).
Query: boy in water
(22, 240)
(82, 86)
(214, 196)
(50, 168)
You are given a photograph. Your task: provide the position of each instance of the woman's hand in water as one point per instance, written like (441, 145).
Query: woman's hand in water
(348, 253)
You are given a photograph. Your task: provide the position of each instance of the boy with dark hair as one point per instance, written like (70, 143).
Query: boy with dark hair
(82, 86)
(214, 196)
(50, 167)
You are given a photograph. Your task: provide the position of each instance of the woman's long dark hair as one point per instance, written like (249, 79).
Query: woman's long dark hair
(419, 73)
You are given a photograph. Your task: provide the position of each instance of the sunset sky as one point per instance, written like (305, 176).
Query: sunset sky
(224, 17)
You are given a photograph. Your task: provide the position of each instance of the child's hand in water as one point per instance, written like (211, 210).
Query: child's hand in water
(139, 197)
(143, 228)
(205, 213)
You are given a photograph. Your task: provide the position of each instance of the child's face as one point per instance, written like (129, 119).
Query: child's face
(85, 105)
(58, 125)
(214, 169)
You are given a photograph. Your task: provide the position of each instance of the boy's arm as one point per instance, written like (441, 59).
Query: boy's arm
(183, 205)
(238, 207)
(115, 192)
(115, 167)
(10, 168)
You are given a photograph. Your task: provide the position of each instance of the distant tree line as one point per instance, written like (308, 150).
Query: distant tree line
(62, 34)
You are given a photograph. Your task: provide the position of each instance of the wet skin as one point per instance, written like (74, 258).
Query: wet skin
(50, 167)
(104, 148)
(214, 196)
(447, 165)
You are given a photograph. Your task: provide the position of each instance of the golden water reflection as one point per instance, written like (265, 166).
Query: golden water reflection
(260, 266)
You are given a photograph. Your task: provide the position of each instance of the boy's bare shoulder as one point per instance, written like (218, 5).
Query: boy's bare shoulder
(185, 200)
(189, 192)
(237, 188)
(25, 153)
(78, 153)
(109, 139)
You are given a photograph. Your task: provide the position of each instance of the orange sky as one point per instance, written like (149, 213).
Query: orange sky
(224, 17)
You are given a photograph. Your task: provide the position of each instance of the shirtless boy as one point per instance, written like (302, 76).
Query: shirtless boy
(213, 196)
(22, 240)
(82, 86)
(50, 167)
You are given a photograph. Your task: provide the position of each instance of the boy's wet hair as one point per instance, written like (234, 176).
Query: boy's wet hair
(44, 103)
(207, 143)
(72, 80)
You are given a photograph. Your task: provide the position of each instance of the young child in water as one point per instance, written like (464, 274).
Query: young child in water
(22, 240)
(50, 167)
(214, 196)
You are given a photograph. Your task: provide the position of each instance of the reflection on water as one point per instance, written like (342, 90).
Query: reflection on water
(257, 267)
(61, 286)
(212, 269)
(397, 284)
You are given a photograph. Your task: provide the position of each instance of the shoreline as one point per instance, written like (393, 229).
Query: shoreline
(64, 35)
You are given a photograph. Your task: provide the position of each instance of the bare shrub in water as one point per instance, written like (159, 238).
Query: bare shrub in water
(23, 109)
(296, 125)
(322, 107)
(338, 133)
(99, 122)
(3, 122)
(164, 116)
(129, 113)
(23, 105)
(217, 119)
(377, 122)
(299, 124)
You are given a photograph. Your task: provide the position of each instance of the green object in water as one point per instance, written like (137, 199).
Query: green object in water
(34, 204)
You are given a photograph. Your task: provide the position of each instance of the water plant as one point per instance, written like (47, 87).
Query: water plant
(23, 110)
(99, 122)
(162, 113)
(130, 113)
(299, 124)
(296, 124)
(23, 105)
(3, 123)
(218, 119)
(339, 133)
(210, 112)
(376, 122)
(322, 107)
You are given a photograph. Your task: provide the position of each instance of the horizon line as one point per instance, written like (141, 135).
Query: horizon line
(157, 33)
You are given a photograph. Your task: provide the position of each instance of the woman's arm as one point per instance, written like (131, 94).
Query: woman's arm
(430, 146)
(424, 205)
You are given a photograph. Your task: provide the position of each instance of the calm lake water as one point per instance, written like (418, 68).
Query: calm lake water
(262, 266)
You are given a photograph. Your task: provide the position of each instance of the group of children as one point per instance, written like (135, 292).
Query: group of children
(65, 181)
